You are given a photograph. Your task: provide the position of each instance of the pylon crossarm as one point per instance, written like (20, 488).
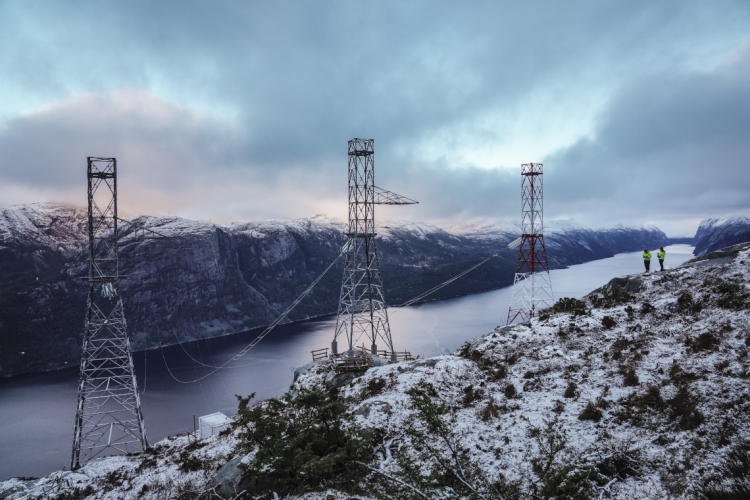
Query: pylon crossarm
(385, 197)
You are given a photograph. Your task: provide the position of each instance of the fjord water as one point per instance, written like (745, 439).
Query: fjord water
(38, 410)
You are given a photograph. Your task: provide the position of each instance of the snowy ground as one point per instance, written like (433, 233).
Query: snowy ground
(640, 391)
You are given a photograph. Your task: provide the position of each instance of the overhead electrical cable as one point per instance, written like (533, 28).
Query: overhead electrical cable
(289, 309)
(444, 284)
(263, 334)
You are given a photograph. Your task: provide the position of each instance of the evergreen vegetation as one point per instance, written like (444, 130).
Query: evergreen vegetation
(303, 443)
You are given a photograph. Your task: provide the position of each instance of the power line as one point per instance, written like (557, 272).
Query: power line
(289, 309)
(444, 284)
(260, 337)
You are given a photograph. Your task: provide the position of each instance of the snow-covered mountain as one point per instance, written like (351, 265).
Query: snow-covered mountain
(637, 391)
(205, 279)
(714, 234)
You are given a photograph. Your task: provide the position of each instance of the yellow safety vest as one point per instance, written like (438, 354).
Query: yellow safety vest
(647, 256)
(661, 254)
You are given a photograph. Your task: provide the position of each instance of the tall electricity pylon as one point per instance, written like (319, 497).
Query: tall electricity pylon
(362, 310)
(108, 416)
(532, 287)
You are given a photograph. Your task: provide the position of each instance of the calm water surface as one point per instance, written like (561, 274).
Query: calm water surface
(38, 410)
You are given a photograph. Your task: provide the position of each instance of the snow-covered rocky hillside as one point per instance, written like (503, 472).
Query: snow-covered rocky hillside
(638, 391)
(205, 280)
(714, 234)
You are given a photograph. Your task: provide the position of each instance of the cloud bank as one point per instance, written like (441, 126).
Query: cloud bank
(242, 111)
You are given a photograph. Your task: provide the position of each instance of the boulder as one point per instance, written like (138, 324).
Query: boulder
(226, 482)
(631, 284)
(337, 380)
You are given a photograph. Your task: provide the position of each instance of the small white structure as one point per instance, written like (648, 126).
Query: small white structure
(210, 425)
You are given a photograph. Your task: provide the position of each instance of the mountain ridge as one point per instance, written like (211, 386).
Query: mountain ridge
(207, 280)
(715, 233)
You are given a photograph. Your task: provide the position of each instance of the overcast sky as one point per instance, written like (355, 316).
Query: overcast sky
(640, 111)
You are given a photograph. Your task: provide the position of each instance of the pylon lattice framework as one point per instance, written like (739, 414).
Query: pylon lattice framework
(362, 312)
(108, 416)
(532, 286)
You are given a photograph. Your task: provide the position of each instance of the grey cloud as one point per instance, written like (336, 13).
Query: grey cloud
(170, 157)
(166, 142)
(259, 99)
(303, 77)
(670, 144)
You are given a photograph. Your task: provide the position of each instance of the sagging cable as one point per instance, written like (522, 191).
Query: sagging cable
(260, 337)
(444, 284)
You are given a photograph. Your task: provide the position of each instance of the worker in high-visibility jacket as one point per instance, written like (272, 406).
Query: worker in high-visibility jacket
(647, 259)
(661, 254)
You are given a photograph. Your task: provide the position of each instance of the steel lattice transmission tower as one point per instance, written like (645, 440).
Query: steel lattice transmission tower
(532, 287)
(362, 310)
(108, 416)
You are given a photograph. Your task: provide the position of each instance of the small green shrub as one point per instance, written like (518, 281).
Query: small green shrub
(647, 308)
(622, 463)
(570, 391)
(570, 305)
(608, 322)
(471, 394)
(722, 365)
(490, 411)
(651, 398)
(705, 341)
(190, 463)
(573, 482)
(498, 372)
(590, 412)
(495, 371)
(114, 478)
(375, 386)
(639, 405)
(510, 391)
(686, 304)
(76, 494)
(630, 378)
(618, 346)
(679, 376)
(630, 312)
(684, 407)
(148, 462)
(551, 440)
(732, 294)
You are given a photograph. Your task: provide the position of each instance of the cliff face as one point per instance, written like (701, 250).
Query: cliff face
(714, 234)
(204, 280)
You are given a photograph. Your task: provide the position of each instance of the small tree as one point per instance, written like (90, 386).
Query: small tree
(301, 443)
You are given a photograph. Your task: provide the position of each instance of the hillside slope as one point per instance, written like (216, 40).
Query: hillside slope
(638, 391)
(713, 234)
(205, 280)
